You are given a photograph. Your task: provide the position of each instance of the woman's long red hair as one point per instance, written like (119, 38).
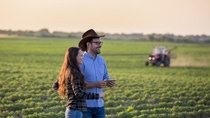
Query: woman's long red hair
(70, 63)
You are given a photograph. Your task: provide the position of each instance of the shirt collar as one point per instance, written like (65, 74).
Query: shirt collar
(90, 56)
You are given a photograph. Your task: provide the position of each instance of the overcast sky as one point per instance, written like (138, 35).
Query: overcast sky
(180, 17)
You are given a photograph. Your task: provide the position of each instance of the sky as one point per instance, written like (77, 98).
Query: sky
(179, 17)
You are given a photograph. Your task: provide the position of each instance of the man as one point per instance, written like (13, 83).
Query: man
(95, 71)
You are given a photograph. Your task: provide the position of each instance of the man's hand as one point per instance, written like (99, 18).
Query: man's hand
(101, 84)
(110, 83)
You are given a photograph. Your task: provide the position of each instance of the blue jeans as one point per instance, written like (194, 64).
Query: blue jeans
(73, 113)
(94, 112)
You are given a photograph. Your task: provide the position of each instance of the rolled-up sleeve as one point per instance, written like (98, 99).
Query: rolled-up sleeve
(55, 85)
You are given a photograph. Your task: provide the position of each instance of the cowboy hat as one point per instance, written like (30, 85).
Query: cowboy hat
(87, 36)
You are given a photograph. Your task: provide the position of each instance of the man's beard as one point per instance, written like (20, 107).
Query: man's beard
(98, 51)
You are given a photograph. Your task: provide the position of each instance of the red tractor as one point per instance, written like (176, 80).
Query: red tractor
(160, 55)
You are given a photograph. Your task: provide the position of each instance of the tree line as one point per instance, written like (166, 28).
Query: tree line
(120, 36)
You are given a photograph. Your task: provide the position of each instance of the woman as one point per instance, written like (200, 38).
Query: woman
(71, 84)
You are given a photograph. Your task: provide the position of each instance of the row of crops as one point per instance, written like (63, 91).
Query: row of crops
(29, 66)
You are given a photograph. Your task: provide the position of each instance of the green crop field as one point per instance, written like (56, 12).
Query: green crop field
(29, 66)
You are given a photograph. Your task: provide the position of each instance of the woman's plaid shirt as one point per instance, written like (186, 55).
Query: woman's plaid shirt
(77, 94)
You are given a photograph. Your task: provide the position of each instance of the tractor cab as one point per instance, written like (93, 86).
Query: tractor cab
(159, 55)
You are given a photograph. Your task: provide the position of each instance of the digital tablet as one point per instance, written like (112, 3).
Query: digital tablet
(109, 80)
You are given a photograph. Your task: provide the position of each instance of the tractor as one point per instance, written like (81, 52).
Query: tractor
(160, 55)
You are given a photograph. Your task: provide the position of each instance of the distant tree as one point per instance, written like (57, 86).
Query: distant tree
(151, 37)
(44, 32)
(9, 32)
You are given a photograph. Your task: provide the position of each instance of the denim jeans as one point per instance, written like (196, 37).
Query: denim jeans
(94, 112)
(73, 113)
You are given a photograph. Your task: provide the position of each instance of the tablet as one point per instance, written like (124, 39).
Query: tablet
(109, 80)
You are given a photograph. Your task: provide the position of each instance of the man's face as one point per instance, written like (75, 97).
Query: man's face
(96, 44)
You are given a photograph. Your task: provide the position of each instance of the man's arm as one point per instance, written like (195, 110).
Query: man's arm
(99, 84)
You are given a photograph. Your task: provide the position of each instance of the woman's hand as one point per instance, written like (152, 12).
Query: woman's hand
(102, 95)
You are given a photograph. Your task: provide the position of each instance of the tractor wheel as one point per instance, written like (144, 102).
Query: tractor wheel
(158, 63)
(147, 63)
(166, 62)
